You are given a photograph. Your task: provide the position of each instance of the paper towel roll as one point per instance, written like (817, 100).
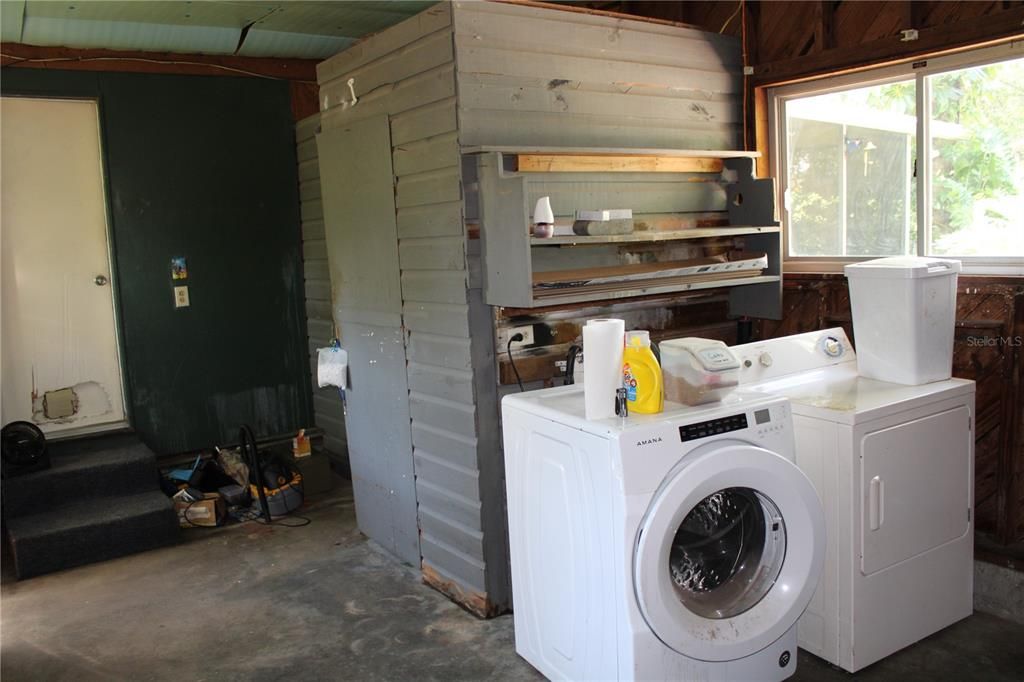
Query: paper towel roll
(602, 348)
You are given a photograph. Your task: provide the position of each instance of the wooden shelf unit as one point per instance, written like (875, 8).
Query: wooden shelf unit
(666, 201)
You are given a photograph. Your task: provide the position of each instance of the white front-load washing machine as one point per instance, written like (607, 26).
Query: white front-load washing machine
(894, 467)
(677, 546)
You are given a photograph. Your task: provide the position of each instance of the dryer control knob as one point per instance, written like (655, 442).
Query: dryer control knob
(765, 359)
(832, 346)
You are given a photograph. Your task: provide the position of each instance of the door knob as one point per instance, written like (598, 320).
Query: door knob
(100, 280)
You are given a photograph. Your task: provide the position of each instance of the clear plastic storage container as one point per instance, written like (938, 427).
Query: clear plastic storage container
(697, 371)
(904, 310)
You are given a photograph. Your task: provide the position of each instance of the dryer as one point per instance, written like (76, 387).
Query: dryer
(894, 468)
(682, 545)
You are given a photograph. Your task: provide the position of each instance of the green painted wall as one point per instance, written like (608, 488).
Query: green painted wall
(205, 168)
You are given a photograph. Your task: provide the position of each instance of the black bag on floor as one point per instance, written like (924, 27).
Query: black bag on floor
(22, 449)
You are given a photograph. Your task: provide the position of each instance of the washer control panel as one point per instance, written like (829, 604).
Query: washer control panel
(770, 422)
(713, 427)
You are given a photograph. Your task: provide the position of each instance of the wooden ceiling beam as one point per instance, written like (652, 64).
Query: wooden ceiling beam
(74, 59)
(824, 26)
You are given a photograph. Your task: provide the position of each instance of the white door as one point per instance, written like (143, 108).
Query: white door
(730, 552)
(60, 361)
(916, 487)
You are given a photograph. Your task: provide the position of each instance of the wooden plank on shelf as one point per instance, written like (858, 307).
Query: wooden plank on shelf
(590, 163)
(560, 297)
(521, 128)
(653, 235)
(623, 271)
(625, 151)
(660, 281)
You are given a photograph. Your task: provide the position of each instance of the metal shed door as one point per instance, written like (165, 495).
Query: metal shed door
(362, 250)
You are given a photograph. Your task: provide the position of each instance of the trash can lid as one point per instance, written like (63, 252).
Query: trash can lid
(903, 267)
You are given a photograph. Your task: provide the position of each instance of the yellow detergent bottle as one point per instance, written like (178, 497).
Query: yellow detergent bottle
(641, 375)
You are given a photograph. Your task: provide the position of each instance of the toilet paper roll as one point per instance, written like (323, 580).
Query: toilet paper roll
(602, 348)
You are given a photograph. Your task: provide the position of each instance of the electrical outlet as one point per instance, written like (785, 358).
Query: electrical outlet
(181, 297)
(525, 330)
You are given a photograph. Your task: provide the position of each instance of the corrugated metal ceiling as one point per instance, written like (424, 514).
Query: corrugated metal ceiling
(293, 28)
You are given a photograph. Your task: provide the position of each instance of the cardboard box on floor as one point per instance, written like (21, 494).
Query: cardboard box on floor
(209, 511)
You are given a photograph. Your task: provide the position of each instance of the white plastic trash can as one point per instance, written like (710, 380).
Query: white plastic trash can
(904, 311)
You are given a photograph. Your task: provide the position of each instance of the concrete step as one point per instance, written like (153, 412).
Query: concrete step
(90, 530)
(82, 470)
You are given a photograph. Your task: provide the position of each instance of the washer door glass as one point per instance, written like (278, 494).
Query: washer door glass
(727, 553)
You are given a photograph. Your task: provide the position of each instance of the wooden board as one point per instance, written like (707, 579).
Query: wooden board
(609, 151)
(656, 234)
(580, 278)
(655, 285)
(556, 163)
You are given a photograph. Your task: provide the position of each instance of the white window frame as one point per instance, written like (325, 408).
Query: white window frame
(916, 69)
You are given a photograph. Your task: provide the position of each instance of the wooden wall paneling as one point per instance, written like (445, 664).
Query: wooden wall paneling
(868, 20)
(984, 351)
(939, 13)
(388, 83)
(407, 73)
(532, 77)
(704, 316)
(1015, 414)
(722, 16)
(305, 99)
(1000, 25)
(785, 30)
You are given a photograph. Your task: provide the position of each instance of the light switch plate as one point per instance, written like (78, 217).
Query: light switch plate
(181, 297)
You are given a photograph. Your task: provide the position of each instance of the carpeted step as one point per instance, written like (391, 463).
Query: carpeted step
(91, 530)
(80, 470)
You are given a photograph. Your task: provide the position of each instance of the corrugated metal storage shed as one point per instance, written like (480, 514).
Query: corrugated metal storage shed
(456, 76)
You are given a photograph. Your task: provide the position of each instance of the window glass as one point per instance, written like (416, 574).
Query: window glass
(976, 128)
(727, 553)
(849, 168)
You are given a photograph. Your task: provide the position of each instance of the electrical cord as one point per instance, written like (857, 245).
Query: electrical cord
(511, 360)
(731, 17)
(570, 364)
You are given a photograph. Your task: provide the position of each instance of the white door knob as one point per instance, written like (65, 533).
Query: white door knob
(765, 359)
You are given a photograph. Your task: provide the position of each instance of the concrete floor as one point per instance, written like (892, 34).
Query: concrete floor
(320, 602)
